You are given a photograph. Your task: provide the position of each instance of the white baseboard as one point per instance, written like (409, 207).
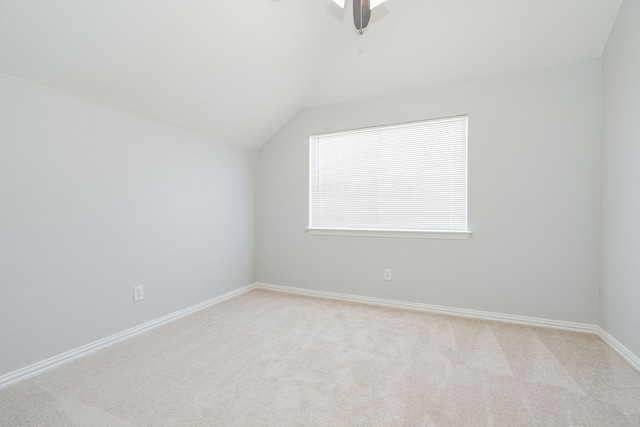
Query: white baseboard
(461, 312)
(615, 345)
(61, 359)
(624, 352)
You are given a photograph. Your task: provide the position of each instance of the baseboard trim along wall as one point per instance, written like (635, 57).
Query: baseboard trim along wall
(461, 312)
(475, 314)
(623, 351)
(61, 359)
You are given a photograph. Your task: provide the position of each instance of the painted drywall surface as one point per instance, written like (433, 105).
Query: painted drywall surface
(534, 166)
(619, 311)
(95, 201)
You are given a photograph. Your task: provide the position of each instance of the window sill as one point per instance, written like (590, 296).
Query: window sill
(406, 234)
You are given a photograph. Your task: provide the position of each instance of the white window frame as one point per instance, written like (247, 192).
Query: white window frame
(380, 232)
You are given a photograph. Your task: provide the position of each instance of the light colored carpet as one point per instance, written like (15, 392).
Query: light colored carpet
(270, 359)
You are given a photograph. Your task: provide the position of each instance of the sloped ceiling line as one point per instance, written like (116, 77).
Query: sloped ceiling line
(238, 71)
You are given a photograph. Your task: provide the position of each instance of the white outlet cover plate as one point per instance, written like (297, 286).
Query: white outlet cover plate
(138, 293)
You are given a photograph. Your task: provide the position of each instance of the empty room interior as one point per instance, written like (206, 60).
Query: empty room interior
(319, 212)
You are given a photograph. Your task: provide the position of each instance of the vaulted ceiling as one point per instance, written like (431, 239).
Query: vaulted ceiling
(239, 70)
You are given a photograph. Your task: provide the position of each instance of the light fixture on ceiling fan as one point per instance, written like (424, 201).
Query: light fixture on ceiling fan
(361, 12)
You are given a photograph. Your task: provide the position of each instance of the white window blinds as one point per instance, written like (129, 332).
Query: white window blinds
(403, 177)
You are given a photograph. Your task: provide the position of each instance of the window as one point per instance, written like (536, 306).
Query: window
(407, 180)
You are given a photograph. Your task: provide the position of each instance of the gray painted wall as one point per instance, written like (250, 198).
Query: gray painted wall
(94, 201)
(620, 255)
(534, 170)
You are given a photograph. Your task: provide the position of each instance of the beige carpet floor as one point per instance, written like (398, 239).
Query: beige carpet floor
(271, 359)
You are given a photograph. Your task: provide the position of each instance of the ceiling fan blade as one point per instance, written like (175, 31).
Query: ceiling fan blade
(361, 14)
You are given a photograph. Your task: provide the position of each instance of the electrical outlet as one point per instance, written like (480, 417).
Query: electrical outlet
(387, 274)
(138, 293)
